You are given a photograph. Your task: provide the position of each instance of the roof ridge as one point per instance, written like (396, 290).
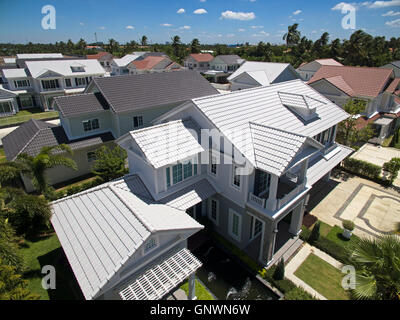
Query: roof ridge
(278, 129)
(157, 126)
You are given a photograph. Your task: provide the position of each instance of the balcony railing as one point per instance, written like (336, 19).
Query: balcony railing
(260, 202)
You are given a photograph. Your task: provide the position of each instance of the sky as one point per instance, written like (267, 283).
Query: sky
(211, 21)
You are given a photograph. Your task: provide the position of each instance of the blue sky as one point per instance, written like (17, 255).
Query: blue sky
(219, 20)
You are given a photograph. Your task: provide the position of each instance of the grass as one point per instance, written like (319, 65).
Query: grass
(335, 234)
(201, 291)
(323, 277)
(26, 115)
(388, 141)
(2, 155)
(47, 251)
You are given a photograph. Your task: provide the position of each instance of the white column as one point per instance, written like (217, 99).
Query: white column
(192, 287)
(273, 190)
(297, 219)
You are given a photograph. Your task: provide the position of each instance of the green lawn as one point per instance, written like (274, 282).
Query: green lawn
(201, 292)
(26, 115)
(335, 234)
(323, 277)
(47, 251)
(2, 155)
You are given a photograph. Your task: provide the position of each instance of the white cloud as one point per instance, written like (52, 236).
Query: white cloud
(261, 34)
(297, 12)
(341, 5)
(181, 10)
(238, 15)
(103, 28)
(200, 11)
(230, 35)
(185, 28)
(202, 0)
(166, 25)
(130, 27)
(81, 23)
(394, 23)
(391, 13)
(257, 27)
(241, 30)
(384, 4)
(368, 4)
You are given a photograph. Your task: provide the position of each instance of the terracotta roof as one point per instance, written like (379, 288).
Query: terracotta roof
(96, 56)
(393, 85)
(328, 62)
(362, 122)
(202, 57)
(339, 82)
(148, 62)
(363, 81)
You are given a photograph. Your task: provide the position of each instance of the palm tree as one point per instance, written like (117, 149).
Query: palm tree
(377, 263)
(10, 173)
(144, 41)
(49, 157)
(292, 37)
(195, 46)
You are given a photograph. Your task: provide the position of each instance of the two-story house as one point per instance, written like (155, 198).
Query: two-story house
(123, 245)
(395, 66)
(198, 61)
(105, 59)
(307, 69)
(151, 64)
(41, 81)
(109, 108)
(226, 63)
(246, 160)
(255, 74)
(375, 87)
(120, 66)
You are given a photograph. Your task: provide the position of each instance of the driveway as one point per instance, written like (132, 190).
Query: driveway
(377, 155)
(374, 210)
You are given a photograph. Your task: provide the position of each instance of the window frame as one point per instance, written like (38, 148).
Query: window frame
(139, 120)
(69, 81)
(25, 84)
(91, 159)
(91, 122)
(211, 164)
(233, 176)
(232, 214)
(253, 225)
(169, 172)
(210, 214)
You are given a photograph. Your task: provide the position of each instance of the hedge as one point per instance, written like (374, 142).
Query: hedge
(75, 189)
(363, 168)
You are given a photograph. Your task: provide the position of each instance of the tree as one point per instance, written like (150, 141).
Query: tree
(176, 45)
(12, 286)
(110, 163)
(49, 157)
(195, 46)
(279, 273)
(10, 173)
(9, 253)
(113, 46)
(144, 41)
(292, 37)
(348, 134)
(377, 265)
(314, 236)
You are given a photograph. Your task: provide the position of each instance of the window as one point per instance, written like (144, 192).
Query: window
(50, 84)
(213, 163)
(235, 224)
(168, 173)
(89, 125)
(187, 170)
(150, 245)
(80, 82)
(255, 227)
(26, 102)
(177, 173)
(77, 69)
(91, 156)
(5, 107)
(236, 176)
(21, 83)
(68, 83)
(263, 180)
(214, 210)
(180, 172)
(137, 121)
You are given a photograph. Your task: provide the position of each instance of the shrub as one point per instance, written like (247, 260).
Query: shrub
(348, 225)
(315, 234)
(363, 168)
(393, 167)
(110, 163)
(279, 273)
(333, 249)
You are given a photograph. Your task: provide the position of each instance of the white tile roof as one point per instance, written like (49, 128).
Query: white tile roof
(14, 73)
(168, 142)
(63, 67)
(9, 60)
(101, 228)
(125, 60)
(263, 72)
(231, 114)
(38, 55)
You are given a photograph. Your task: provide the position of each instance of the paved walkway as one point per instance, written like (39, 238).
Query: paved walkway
(299, 258)
(6, 131)
(374, 209)
(377, 155)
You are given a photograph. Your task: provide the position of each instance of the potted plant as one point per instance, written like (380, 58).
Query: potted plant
(348, 227)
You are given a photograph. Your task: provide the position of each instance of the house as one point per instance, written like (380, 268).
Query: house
(8, 102)
(123, 245)
(153, 64)
(42, 80)
(246, 160)
(120, 66)
(105, 59)
(375, 87)
(27, 56)
(253, 74)
(395, 66)
(226, 63)
(10, 62)
(308, 69)
(198, 61)
(109, 108)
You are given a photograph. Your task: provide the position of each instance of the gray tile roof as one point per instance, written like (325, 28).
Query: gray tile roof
(100, 229)
(5, 94)
(134, 92)
(80, 104)
(31, 136)
(230, 59)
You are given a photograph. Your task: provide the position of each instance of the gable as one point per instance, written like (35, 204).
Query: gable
(325, 87)
(245, 78)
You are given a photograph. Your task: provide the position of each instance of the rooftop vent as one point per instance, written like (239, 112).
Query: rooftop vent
(304, 106)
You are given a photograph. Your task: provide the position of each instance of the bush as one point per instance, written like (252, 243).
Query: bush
(363, 168)
(393, 167)
(348, 225)
(110, 163)
(279, 273)
(333, 249)
(315, 234)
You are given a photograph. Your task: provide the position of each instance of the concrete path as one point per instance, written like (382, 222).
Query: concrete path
(6, 131)
(377, 155)
(299, 258)
(374, 210)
